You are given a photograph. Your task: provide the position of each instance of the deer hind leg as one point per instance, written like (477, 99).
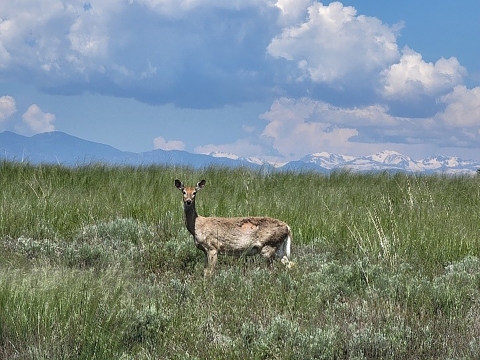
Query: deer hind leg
(268, 253)
(211, 256)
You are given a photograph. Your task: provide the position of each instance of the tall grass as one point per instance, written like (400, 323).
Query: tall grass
(95, 263)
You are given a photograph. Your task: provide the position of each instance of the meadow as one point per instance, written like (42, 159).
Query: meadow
(96, 263)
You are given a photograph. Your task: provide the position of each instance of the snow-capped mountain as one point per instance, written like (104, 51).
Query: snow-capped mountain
(394, 161)
(448, 165)
(64, 149)
(385, 159)
(327, 160)
(390, 157)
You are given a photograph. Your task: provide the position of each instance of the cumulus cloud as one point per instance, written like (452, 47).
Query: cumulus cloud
(197, 49)
(193, 52)
(412, 76)
(462, 107)
(8, 107)
(334, 42)
(32, 36)
(298, 127)
(88, 34)
(242, 146)
(160, 143)
(292, 11)
(180, 8)
(459, 121)
(37, 120)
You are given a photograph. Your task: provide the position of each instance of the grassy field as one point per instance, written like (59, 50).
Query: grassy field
(95, 263)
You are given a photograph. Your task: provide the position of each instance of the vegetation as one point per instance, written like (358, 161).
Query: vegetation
(95, 263)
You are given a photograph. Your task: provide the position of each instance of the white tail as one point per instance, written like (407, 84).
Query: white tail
(235, 236)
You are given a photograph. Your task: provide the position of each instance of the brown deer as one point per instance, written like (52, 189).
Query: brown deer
(235, 235)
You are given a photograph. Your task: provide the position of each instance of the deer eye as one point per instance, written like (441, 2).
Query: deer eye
(184, 192)
(193, 193)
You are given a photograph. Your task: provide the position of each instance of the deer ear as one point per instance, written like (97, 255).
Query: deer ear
(179, 184)
(201, 184)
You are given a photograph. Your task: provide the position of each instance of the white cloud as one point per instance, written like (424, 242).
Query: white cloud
(28, 35)
(242, 147)
(56, 39)
(88, 35)
(8, 107)
(207, 53)
(156, 51)
(179, 8)
(160, 143)
(412, 76)
(292, 11)
(299, 127)
(38, 121)
(462, 107)
(461, 117)
(334, 43)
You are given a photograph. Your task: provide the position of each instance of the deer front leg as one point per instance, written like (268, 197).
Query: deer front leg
(211, 261)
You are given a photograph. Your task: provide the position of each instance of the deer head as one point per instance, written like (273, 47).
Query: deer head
(189, 192)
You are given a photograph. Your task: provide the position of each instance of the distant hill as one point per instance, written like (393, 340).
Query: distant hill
(60, 148)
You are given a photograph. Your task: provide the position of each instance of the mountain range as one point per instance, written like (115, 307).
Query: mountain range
(60, 148)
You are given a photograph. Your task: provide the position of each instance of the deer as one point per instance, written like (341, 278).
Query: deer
(238, 236)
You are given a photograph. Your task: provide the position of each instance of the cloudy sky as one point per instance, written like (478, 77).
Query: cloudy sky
(277, 79)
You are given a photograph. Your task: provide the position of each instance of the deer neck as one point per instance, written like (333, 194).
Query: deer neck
(190, 217)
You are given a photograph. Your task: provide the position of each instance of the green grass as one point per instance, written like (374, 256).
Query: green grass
(95, 263)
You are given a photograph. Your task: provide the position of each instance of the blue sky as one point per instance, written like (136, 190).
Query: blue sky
(276, 79)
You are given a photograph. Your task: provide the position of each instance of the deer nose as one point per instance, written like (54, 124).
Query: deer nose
(188, 202)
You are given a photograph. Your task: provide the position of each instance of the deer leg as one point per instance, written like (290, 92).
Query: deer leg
(268, 252)
(205, 253)
(211, 261)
